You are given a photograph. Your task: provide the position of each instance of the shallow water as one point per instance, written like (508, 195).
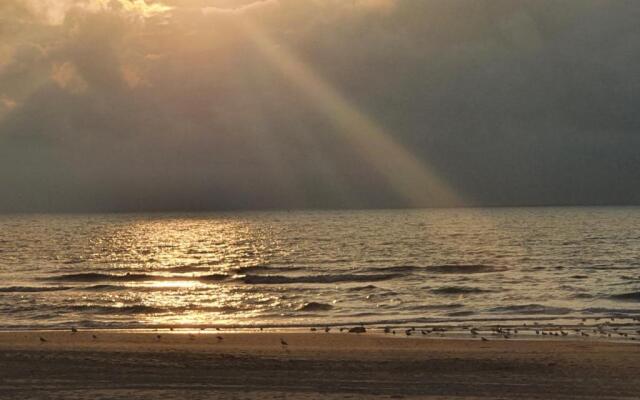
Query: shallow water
(325, 267)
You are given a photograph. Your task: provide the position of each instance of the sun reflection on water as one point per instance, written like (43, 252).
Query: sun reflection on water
(294, 268)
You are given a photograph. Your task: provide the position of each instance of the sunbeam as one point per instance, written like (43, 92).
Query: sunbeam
(411, 178)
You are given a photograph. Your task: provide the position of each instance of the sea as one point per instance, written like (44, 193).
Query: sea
(240, 270)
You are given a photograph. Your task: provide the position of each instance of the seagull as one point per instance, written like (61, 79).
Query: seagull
(73, 329)
(282, 342)
(484, 339)
(42, 340)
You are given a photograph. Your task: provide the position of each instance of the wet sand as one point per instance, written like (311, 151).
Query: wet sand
(256, 365)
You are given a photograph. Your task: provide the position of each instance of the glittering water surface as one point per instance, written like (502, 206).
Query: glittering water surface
(302, 268)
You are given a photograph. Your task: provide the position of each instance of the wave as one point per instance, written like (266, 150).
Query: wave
(188, 268)
(24, 289)
(141, 309)
(459, 290)
(361, 288)
(611, 311)
(443, 269)
(97, 277)
(281, 279)
(135, 309)
(132, 289)
(74, 261)
(460, 314)
(395, 268)
(314, 306)
(106, 288)
(210, 277)
(265, 268)
(532, 309)
(434, 307)
(631, 296)
(100, 277)
(464, 268)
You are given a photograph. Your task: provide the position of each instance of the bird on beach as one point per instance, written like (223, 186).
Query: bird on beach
(282, 342)
(42, 340)
(484, 339)
(327, 329)
(94, 337)
(74, 330)
(220, 338)
(158, 337)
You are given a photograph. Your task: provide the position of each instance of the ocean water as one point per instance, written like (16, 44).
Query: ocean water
(287, 269)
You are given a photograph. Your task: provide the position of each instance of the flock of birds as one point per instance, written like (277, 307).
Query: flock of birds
(601, 330)
(219, 338)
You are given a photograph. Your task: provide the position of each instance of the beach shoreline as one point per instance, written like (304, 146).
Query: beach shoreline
(285, 364)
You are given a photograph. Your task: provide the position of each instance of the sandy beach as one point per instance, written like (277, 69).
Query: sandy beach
(251, 365)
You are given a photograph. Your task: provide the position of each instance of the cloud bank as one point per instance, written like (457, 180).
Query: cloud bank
(126, 105)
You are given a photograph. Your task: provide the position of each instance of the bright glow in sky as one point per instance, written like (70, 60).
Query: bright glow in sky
(218, 104)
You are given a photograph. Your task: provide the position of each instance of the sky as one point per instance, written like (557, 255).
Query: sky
(133, 105)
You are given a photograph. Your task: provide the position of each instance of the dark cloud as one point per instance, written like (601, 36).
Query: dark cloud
(508, 102)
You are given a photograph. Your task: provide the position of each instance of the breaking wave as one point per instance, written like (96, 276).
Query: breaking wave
(281, 279)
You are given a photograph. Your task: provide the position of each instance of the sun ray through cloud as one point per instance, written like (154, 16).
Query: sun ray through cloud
(411, 178)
